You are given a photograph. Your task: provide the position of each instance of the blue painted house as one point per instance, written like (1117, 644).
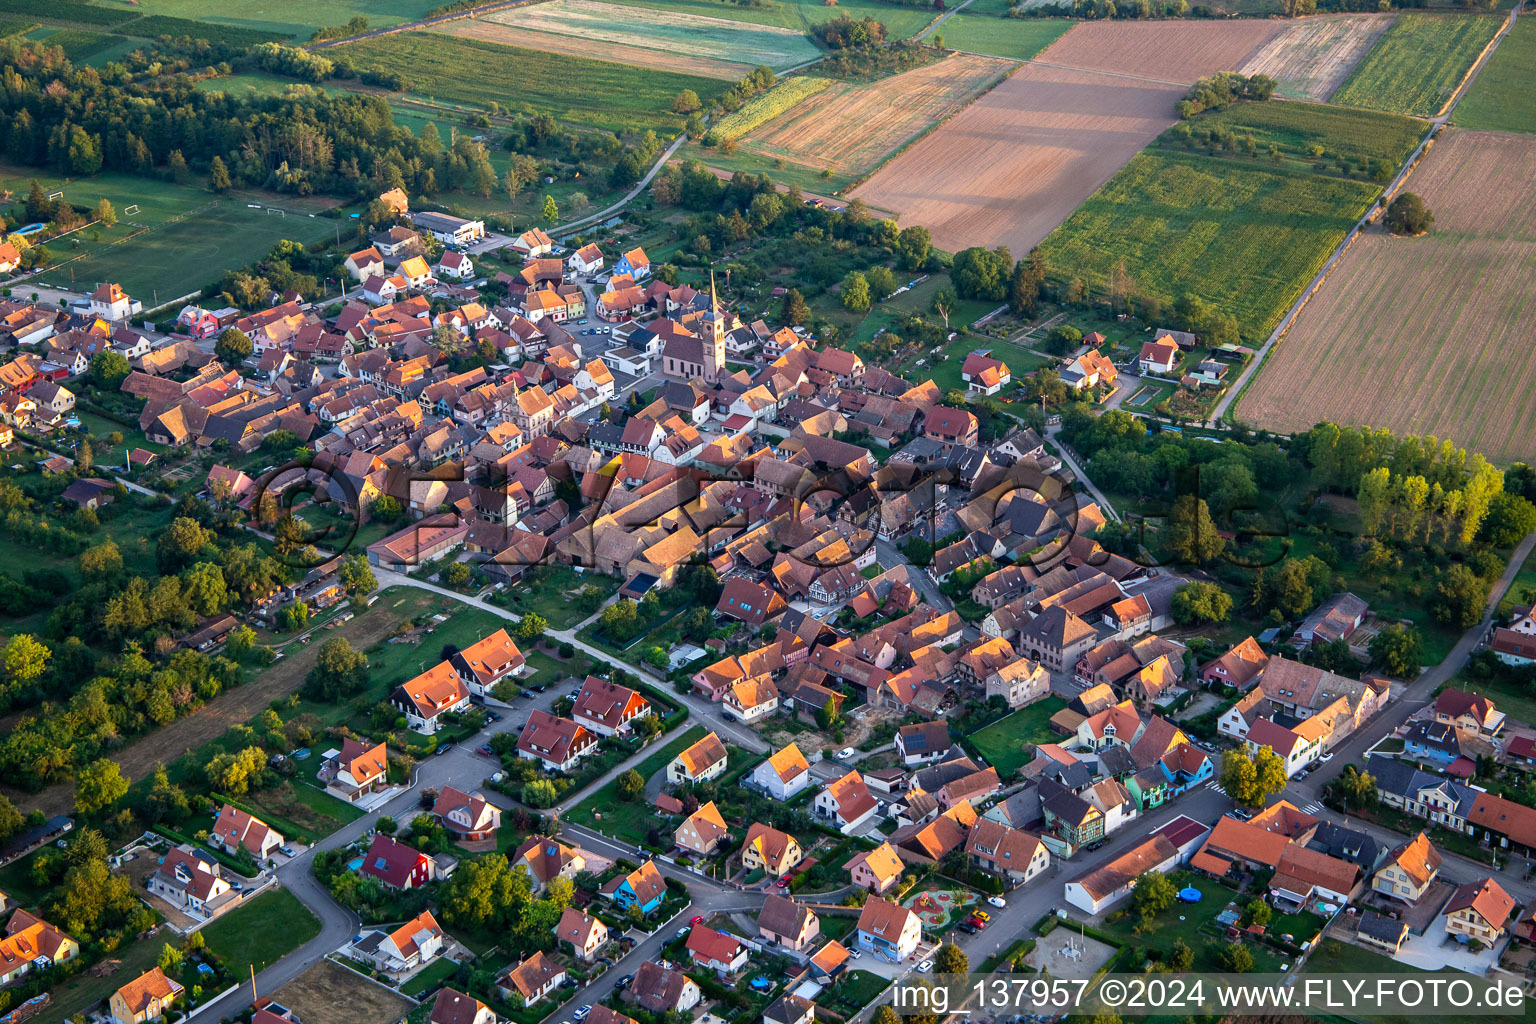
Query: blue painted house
(643, 887)
(635, 263)
(1186, 767)
(1432, 742)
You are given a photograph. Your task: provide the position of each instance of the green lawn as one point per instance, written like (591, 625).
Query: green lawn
(435, 974)
(84, 990)
(1418, 63)
(545, 669)
(1244, 233)
(1500, 99)
(157, 254)
(548, 595)
(900, 22)
(615, 97)
(1015, 38)
(464, 626)
(604, 811)
(301, 812)
(1002, 743)
(261, 932)
(854, 991)
(1522, 589)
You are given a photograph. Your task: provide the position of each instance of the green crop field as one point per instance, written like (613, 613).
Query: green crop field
(1501, 99)
(1015, 38)
(68, 11)
(763, 108)
(158, 25)
(78, 44)
(1418, 63)
(598, 93)
(172, 257)
(289, 18)
(9, 27)
(901, 22)
(682, 34)
(1293, 127)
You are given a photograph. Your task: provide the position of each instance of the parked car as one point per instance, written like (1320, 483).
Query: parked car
(1326, 757)
(1097, 844)
(286, 850)
(695, 919)
(682, 933)
(997, 901)
(782, 883)
(444, 749)
(624, 981)
(844, 754)
(582, 1011)
(925, 967)
(484, 749)
(494, 716)
(982, 915)
(857, 953)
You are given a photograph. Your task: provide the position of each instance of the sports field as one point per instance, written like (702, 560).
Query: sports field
(1014, 38)
(851, 128)
(1426, 335)
(593, 92)
(800, 15)
(1311, 57)
(1418, 63)
(1501, 98)
(159, 253)
(667, 39)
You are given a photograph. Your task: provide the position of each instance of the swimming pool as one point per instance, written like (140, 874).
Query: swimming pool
(30, 229)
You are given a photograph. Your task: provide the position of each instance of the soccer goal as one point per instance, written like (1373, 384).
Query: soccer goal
(55, 195)
(280, 213)
(131, 210)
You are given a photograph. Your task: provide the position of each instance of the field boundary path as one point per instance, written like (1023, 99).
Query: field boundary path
(1436, 124)
(411, 26)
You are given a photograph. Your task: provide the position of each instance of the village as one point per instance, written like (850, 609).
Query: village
(910, 713)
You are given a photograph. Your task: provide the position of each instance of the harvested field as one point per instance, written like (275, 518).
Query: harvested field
(328, 993)
(851, 128)
(616, 53)
(1432, 334)
(1013, 165)
(659, 34)
(1311, 57)
(1419, 62)
(1165, 51)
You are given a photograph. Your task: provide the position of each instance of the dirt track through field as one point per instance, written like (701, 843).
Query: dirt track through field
(232, 707)
(1311, 57)
(851, 128)
(1426, 335)
(1010, 167)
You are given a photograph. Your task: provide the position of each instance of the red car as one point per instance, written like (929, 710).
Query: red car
(783, 883)
(695, 919)
(977, 923)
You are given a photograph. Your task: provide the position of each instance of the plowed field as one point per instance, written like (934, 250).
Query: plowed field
(851, 128)
(1311, 57)
(1010, 167)
(1426, 335)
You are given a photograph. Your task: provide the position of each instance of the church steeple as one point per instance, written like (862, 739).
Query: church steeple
(715, 318)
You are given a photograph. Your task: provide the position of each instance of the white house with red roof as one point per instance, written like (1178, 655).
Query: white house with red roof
(364, 263)
(456, 265)
(488, 661)
(586, 260)
(720, 951)
(404, 948)
(110, 302)
(1159, 356)
(397, 865)
(606, 708)
(425, 699)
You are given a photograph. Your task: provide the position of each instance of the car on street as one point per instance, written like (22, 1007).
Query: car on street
(494, 716)
(444, 749)
(925, 967)
(695, 919)
(1326, 757)
(582, 1011)
(666, 965)
(997, 901)
(1097, 844)
(1240, 814)
(844, 754)
(484, 749)
(624, 981)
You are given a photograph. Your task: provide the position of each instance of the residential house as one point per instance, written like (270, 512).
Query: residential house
(703, 831)
(1011, 854)
(790, 1009)
(660, 990)
(1409, 871)
(606, 708)
(1469, 712)
(635, 263)
(558, 743)
(643, 887)
(586, 260)
(531, 980)
(1480, 911)
(358, 770)
(146, 997)
(1159, 356)
(1296, 750)
(1335, 619)
(845, 803)
(719, 951)
(396, 865)
(876, 870)
(402, 949)
(1019, 683)
(923, 742)
(1386, 934)
(751, 699)
(984, 375)
(425, 699)
(790, 924)
(237, 830)
(363, 264)
(469, 816)
(456, 265)
(749, 602)
(1241, 667)
(585, 934)
(532, 243)
(487, 662)
(546, 859)
(30, 943)
(777, 853)
(702, 761)
(192, 884)
(1090, 370)
(888, 930)
(454, 1007)
(111, 303)
(785, 774)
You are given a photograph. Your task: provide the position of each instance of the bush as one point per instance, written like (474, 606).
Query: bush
(1407, 215)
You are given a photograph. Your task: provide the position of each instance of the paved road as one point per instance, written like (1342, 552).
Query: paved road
(1071, 463)
(1436, 123)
